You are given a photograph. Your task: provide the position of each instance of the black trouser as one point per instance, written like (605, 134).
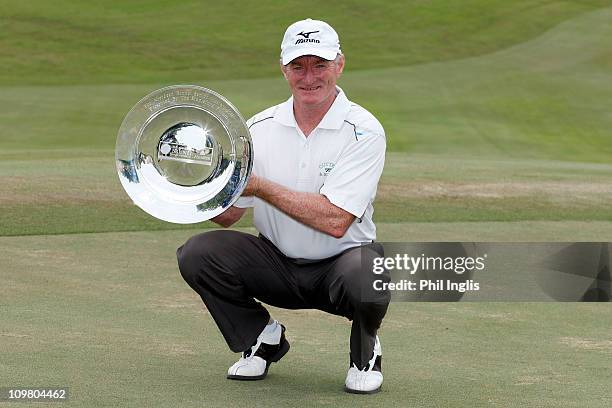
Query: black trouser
(228, 269)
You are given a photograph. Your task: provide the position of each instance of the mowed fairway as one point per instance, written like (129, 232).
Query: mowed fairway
(109, 315)
(498, 128)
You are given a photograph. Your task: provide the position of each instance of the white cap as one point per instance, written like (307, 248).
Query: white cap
(309, 37)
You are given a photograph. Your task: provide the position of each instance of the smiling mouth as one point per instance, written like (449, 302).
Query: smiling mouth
(309, 89)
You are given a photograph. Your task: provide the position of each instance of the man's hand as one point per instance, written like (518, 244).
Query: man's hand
(311, 209)
(233, 214)
(229, 216)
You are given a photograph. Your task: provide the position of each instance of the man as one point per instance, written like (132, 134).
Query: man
(318, 159)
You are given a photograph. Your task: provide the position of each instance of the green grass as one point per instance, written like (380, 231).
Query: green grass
(542, 99)
(109, 316)
(69, 194)
(67, 41)
(509, 136)
(498, 128)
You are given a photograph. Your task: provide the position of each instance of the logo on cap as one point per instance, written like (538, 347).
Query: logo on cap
(306, 35)
(307, 38)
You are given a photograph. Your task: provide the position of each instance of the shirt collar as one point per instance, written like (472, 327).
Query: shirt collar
(333, 119)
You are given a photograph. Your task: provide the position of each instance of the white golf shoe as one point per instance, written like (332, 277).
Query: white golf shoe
(270, 347)
(370, 378)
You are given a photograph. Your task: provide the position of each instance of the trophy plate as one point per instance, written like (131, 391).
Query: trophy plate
(184, 154)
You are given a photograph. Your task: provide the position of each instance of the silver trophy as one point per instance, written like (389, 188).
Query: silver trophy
(184, 154)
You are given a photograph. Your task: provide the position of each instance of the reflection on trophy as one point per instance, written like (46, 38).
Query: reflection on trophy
(184, 154)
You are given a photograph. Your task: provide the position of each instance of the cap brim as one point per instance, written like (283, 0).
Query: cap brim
(328, 54)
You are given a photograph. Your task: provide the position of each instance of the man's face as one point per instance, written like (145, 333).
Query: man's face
(313, 79)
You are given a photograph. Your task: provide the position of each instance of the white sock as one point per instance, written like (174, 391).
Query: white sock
(271, 334)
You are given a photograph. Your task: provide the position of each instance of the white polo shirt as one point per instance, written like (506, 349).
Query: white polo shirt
(342, 158)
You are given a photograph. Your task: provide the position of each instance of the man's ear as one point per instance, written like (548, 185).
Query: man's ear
(340, 65)
(283, 69)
